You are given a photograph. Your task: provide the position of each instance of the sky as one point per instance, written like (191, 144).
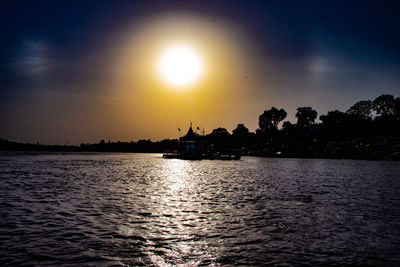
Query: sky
(76, 72)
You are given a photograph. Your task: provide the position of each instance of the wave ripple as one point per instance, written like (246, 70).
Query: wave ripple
(139, 209)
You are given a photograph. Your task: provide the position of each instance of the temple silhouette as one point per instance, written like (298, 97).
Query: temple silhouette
(194, 146)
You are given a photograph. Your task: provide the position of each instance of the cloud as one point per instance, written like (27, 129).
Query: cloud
(32, 58)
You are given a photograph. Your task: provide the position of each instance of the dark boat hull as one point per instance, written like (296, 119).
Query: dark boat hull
(199, 157)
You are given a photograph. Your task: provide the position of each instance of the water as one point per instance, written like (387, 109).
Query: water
(140, 209)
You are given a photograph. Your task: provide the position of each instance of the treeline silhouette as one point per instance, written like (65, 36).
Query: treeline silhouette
(141, 146)
(367, 130)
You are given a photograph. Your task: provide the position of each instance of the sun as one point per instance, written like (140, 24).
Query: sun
(180, 65)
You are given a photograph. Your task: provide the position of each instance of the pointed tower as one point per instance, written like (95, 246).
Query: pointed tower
(190, 135)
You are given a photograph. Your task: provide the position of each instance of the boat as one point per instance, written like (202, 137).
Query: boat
(202, 156)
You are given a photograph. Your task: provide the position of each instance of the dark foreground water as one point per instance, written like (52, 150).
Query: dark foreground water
(140, 209)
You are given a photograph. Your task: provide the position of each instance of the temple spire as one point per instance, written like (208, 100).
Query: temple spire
(190, 132)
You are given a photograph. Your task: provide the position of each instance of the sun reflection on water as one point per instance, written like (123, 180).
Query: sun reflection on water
(177, 174)
(177, 232)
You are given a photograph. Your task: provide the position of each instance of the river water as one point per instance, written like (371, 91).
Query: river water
(112, 209)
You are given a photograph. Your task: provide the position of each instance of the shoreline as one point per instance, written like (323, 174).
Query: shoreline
(133, 152)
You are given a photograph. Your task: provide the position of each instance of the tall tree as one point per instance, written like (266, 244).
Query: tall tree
(220, 133)
(270, 119)
(385, 105)
(339, 124)
(240, 130)
(334, 118)
(220, 138)
(306, 116)
(361, 109)
(241, 135)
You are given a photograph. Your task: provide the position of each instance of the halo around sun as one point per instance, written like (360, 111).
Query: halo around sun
(180, 65)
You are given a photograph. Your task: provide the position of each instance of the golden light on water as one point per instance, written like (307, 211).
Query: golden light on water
(180, 65)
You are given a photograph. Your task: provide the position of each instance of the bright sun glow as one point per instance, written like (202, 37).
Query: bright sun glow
(180, 65)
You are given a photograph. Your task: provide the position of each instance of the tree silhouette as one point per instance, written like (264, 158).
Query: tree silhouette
(287, 125)
(334, 118)
(220, 133)
(397, 108)
(361, 109)
(241, 135)
(219, 139)
(240, 130)
(270, 119)
(385, 105)
(339, 124)
(305, 116)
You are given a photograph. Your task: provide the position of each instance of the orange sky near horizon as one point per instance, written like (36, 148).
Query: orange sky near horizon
(146, 106)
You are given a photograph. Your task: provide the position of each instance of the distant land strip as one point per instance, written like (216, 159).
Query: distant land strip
(369, 130)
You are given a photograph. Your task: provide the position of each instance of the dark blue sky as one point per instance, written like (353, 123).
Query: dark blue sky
(285, 26)
(327, 54)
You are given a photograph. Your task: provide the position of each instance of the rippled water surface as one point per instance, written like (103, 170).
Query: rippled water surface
(140, 209)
